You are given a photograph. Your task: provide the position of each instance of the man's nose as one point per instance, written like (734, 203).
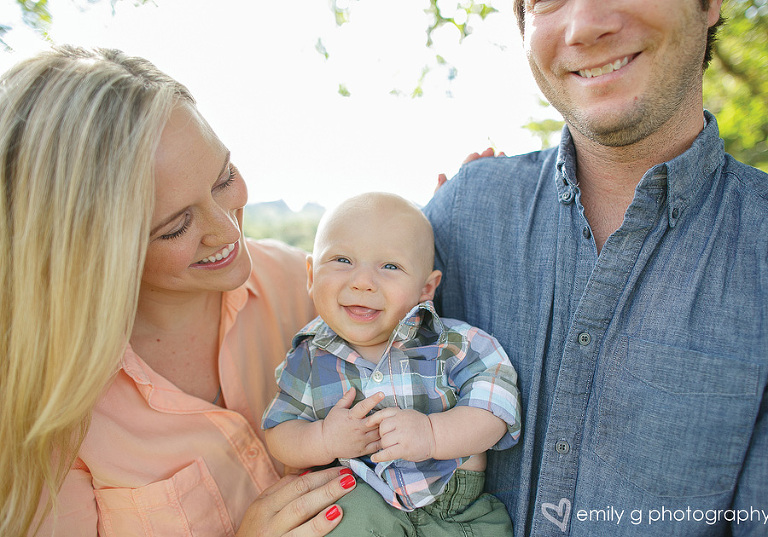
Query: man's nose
(588, 20)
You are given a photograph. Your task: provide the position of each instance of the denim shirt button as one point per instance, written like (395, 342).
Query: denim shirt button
(562, 447)
(584, 339)
(566, 197)
(377, 376)
(586, 232)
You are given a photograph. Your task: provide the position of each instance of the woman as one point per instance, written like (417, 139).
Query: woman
(140, 329)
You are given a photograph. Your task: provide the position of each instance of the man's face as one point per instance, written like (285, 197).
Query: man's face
(617, 70)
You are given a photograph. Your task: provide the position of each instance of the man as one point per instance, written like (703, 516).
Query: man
(626, 275)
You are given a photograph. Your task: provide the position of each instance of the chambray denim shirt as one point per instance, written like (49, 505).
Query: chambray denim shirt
(642, 370)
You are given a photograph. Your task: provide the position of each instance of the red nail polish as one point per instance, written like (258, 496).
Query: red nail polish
(333, 513)
(305, 472)
(345, 471)
(347, 482)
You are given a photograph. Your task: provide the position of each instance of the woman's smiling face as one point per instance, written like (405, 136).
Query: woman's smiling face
(196, 240)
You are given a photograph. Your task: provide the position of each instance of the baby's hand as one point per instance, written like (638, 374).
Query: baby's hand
(405, 434)
(345, 432)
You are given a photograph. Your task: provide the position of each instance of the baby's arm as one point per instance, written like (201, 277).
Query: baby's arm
(461, 431)
(342, 434)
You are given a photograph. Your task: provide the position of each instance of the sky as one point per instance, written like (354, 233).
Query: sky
(273, 98)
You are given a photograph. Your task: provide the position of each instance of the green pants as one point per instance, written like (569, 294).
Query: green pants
(462, 510)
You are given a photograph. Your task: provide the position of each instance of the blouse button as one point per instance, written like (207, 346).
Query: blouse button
(377, 376)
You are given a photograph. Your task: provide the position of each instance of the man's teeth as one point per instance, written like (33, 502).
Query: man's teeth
(605, 69)
(218, 257)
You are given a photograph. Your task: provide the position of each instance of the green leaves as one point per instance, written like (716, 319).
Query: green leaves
(460, 17)
(736, 83)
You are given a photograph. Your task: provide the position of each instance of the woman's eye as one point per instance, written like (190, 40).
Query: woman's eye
(179, 232)
(229, 178)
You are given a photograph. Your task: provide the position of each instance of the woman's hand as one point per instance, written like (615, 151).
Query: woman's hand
(298, 506)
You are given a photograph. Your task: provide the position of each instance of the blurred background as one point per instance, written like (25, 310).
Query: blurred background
(319, 100)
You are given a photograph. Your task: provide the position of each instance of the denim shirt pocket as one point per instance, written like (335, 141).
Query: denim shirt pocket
(676, 422)
(187, 504)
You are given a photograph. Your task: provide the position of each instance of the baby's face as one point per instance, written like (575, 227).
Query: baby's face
(366, 273)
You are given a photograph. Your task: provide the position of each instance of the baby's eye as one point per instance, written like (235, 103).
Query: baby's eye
(391, 266)
(343, 260)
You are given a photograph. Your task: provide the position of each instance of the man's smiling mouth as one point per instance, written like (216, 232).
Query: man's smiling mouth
(605, 69)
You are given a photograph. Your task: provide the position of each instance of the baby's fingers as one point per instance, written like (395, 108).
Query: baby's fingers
(376, 418)
(361, 409)
(388, 454)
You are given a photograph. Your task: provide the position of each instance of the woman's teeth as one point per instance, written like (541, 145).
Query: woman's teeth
(219, 256)
(605, 69)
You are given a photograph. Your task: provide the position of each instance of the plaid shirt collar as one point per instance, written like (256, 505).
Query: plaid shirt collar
(420, 325)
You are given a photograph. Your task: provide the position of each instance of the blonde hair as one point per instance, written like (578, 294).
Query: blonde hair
(78, 134)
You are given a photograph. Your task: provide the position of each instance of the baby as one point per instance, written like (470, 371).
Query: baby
(443, 392)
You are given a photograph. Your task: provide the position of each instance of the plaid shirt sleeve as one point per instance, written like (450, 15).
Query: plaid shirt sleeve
(294, 398)
(484, 377)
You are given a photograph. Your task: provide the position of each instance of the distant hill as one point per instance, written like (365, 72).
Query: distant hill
(275, 220)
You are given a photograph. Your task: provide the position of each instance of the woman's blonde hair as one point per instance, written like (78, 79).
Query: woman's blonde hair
(78, 134)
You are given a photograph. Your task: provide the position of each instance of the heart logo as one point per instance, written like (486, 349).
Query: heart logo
(557, 514)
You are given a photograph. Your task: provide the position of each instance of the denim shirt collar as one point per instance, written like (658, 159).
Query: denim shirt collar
(679, 179)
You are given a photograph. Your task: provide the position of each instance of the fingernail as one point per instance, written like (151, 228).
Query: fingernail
(305, 472)
(345, 471)
(347, 482)
(333, 513)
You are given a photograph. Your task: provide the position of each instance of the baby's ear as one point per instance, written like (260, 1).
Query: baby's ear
(310, 275)
(433, 280)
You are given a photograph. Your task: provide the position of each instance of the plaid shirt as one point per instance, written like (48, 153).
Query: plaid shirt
(430, 365)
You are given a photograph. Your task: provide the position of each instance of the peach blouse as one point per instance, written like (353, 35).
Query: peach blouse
(157, 461)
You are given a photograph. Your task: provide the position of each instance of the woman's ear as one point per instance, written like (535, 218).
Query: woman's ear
(433, 280)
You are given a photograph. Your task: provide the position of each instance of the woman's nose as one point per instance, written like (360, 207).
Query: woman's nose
(222, 226)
